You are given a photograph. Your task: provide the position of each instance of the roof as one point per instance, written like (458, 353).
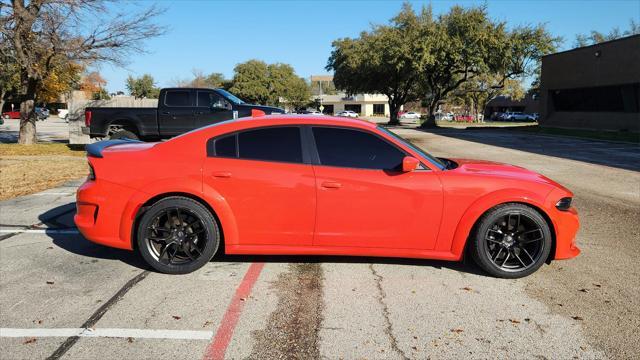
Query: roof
(626, 38)
(309, 120)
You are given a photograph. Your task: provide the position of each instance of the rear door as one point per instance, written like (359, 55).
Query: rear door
(267, 182)
(211, 108)
(175, 112)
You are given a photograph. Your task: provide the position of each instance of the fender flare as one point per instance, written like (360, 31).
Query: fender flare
(171, 187)
(486, 202)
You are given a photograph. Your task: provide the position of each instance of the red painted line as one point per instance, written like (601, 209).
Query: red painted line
(218, 346)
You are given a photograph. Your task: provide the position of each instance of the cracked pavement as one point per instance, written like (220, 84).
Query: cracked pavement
(336, 307)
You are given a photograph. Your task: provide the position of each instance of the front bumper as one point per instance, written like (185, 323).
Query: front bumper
(566, 225)
(101, 213)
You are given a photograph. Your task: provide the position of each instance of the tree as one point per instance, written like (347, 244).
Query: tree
(43, 33)
(382, 61)
(93, 85)
(262, 83)
(143, 87)
(476, 93)
(596, 37)
(466, 44)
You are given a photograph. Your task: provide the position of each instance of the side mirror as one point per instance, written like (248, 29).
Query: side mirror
(409, 163)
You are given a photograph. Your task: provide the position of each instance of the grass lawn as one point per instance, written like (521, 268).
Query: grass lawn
(27, 169)
(624, 136)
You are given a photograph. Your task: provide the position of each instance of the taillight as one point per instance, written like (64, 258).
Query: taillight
(256, 113)
(92, 173)
(87, 118)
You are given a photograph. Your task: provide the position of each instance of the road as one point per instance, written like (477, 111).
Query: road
(64, 297)
(52, 129)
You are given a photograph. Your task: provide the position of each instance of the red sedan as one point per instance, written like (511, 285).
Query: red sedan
(318, 186)
(11, 115)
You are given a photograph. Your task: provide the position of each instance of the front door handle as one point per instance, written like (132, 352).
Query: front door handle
(199, 112)
(331, 185)
(222, 174)
(166, 113)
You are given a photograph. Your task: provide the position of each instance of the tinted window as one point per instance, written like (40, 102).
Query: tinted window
(212, 100)
(355, 149)
(177, 98)
(226, 146)
(274, 144)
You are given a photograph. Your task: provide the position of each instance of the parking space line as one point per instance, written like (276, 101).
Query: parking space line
(54, 193)
(109, 333)
(218, 346)
(40, 231)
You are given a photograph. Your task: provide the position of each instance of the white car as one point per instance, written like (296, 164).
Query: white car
(315, 112)
(518, 116)
(410, 115)
(347, 113)
(63, 113)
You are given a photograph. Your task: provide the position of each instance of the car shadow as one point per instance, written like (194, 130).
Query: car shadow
(58, 224)
(614, 154)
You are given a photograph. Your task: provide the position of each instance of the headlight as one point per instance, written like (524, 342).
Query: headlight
(564, 204)
(92, 173)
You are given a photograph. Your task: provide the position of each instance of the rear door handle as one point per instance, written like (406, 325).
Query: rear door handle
(331, 185)
(222, 174)
(199, 112)
(166, 113)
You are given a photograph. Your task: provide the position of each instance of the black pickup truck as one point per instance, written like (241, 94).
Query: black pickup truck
(179, 110)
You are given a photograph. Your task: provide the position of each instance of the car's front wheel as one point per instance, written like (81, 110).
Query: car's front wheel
(177, 235)
(511, 241)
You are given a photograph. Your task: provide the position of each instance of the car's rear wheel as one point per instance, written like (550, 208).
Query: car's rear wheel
(177, 235)
(123, 134)
(511, 241)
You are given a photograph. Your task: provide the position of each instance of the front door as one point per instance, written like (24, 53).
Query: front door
(363, 198)
(175, 113)
(211, 108)
(271, 191)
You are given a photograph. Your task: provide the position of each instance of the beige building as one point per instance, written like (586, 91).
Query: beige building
(363, 104)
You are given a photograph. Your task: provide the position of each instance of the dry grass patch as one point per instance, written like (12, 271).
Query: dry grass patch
(27, 169)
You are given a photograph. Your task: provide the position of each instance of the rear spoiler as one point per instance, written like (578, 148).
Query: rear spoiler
(95, 149)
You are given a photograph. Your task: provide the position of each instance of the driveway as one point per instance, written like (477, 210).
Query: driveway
(64, 297)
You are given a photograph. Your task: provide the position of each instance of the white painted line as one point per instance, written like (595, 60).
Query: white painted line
(109, 333)
(54, 193)
(39, 231)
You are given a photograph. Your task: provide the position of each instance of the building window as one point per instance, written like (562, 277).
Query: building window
(619, 98)
(354, 107)
(378, 109)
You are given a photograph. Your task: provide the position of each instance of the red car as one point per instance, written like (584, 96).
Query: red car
(311, 185)
(11, 115)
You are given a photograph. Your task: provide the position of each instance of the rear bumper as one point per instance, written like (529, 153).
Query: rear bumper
(101, 215)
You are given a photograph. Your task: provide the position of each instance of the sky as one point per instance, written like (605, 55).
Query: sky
(214, 36)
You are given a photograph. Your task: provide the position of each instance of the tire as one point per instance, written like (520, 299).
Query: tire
(123, 134)
(502, 233)
(6, 117)
(159, 234)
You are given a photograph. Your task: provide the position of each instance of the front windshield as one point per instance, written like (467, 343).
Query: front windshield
(435, 161)
(234, 99)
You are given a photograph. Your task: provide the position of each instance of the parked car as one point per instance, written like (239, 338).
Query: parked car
(311, 185)
(63, 113)
(11, 115)
(410, 115)
(517, 116)
(348, 113)
(315, 112)
(179, 110)
(42, 113)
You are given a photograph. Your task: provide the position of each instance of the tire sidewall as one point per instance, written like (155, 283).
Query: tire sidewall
(211, 230)
(479, 248)
(122, 134)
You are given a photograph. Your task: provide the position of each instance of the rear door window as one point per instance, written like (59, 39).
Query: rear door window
(177, 98)
(271, 144)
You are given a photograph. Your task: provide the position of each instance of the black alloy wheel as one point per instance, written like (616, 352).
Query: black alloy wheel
(177, 235)
(511, 241)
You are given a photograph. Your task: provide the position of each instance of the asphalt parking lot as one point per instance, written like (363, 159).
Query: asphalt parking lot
(64, 297)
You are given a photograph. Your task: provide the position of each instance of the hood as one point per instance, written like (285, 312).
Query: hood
(490, 168)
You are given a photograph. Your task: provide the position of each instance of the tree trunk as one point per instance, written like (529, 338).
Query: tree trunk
(27, 134)
(393, 113)
(3, 92)
(431, 118)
